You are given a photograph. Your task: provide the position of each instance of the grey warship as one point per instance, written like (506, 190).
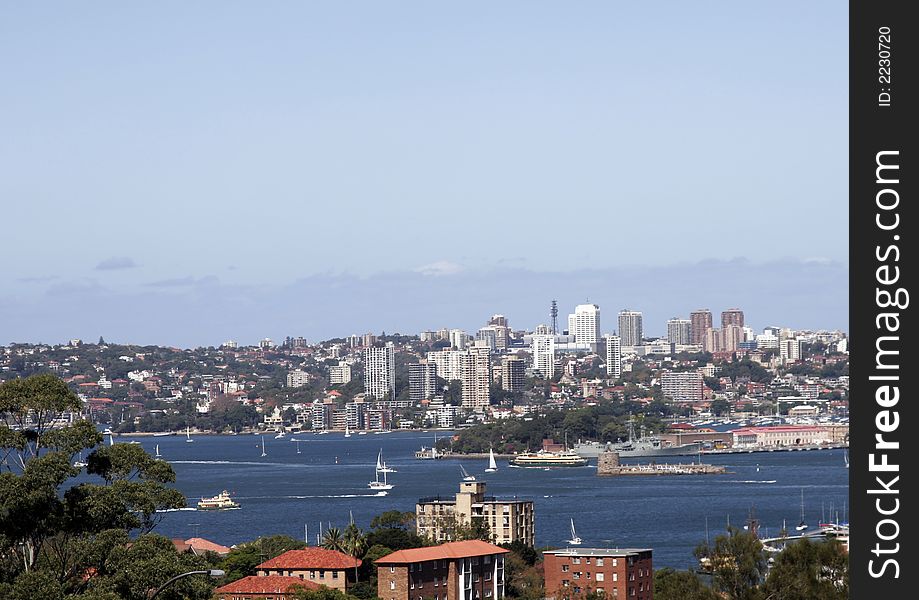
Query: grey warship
(636, 447)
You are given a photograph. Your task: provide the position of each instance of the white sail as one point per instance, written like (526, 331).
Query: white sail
(575, 540)
(492, 465)
(263, 447)
(158, 451)
(380, 460)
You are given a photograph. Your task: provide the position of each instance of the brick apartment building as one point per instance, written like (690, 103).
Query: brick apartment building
(317, 565)
(469, 570)
(621, 573)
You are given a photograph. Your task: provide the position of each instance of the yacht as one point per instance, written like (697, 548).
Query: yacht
(492, 465)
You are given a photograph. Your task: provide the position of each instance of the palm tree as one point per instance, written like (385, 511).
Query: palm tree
(354, 543)
(332, 539)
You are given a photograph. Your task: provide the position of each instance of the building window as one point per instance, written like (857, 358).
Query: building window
(564, 568)
(600, 590)
(587, 574)
(599, 562)
(321, 574)
(312, 574)
(615, 562)
(487, 559)
(615, 576)
(488, 576)
(392, 569)
(487, 594)
(576, 560)
(600, 577)
(587, 561)
(615, 592)
(392, 584)
(577, 574)
(334, 574)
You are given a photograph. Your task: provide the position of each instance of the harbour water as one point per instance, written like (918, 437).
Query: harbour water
(285, 491)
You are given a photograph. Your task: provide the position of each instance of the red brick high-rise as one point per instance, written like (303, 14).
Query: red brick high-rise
(700, 322)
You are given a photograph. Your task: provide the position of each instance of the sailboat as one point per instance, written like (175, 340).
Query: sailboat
(111, 439)
(381, 466)
(802, 525)
(263, 447)
(466, 475)
(79, 463)
(492, 465)
(376, 484)
(347, 431)
(157, 455)
(575, 540)
(846, 457)
(188, 435)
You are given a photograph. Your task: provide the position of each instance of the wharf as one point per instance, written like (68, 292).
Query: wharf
(800, 448)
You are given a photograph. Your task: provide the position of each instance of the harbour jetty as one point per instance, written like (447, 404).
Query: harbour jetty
(608, 465)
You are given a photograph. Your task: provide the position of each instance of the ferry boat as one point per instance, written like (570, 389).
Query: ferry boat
(221, 501)
(566, 458)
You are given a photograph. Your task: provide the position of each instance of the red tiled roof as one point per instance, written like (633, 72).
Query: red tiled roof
(202, 545)
(311, 558)
(265, 584)
(448, 550)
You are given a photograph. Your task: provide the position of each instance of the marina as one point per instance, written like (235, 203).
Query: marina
(283, 491)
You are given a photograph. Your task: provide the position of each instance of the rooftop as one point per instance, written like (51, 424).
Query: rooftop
(265, 584)
(311, 558)
(444, 551)
(485, 499)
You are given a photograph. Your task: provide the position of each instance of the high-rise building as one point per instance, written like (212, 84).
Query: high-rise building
(476, 377)
(682, 386)
(700, 322)
(732, 316)
(448, 363)
(679, 331)
(339, 374)
(297, 378)
(513, 374)
(630, 327)
(543, 349)
(585, 324)
(489, 335)
(422, 380)
(380, 371)
(355, 412)
(458, 339)
(790, 349)
(712, 341)
(368, 339)
(731, 337)
(613, 356)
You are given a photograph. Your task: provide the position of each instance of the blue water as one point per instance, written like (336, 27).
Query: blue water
(284, 491)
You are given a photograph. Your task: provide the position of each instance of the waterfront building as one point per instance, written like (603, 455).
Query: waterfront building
(679, 331)
(378, 419)
(513, 374)
(340, 374)
(321, 415)
(682, 386)
(508, 520)
(625, 573)
(316, 565)
(422, 380)
(732, 316)
(613, 356)
(700, 321)
(584, 324)
(380, 371)
(543, 350)
(630, 327)
(782, 435)
(476, 377)
(467, 570)
(297, 378)
(355, 414)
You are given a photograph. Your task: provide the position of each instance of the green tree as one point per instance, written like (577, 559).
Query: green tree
(807, 570)
(738, 564)
(333, 539)
(670, 584)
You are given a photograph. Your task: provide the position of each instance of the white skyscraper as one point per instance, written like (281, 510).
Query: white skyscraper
(447, 362)
(543, 348)
(790, 350)
(630, 327)
(613, 356)
(679, 331)
(458, 339)
(380, 371)
(586, 323)
(476, 377)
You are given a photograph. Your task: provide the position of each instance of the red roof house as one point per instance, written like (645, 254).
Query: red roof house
(262, 586)
(326, 567)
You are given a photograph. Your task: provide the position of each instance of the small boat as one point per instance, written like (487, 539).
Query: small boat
(802, 525)
(575, 540)
(157, 455)
(188, 435)
(79, 463)
(263, 447)
(347, 431)
(361, 433)
(221, 501)
(108, 431)
(163, 434)
(280, 435)
(466, 475)
(376, 484)
(492, 465)
(381, 466)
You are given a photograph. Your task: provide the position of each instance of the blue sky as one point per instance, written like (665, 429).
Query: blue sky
(173, 156)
